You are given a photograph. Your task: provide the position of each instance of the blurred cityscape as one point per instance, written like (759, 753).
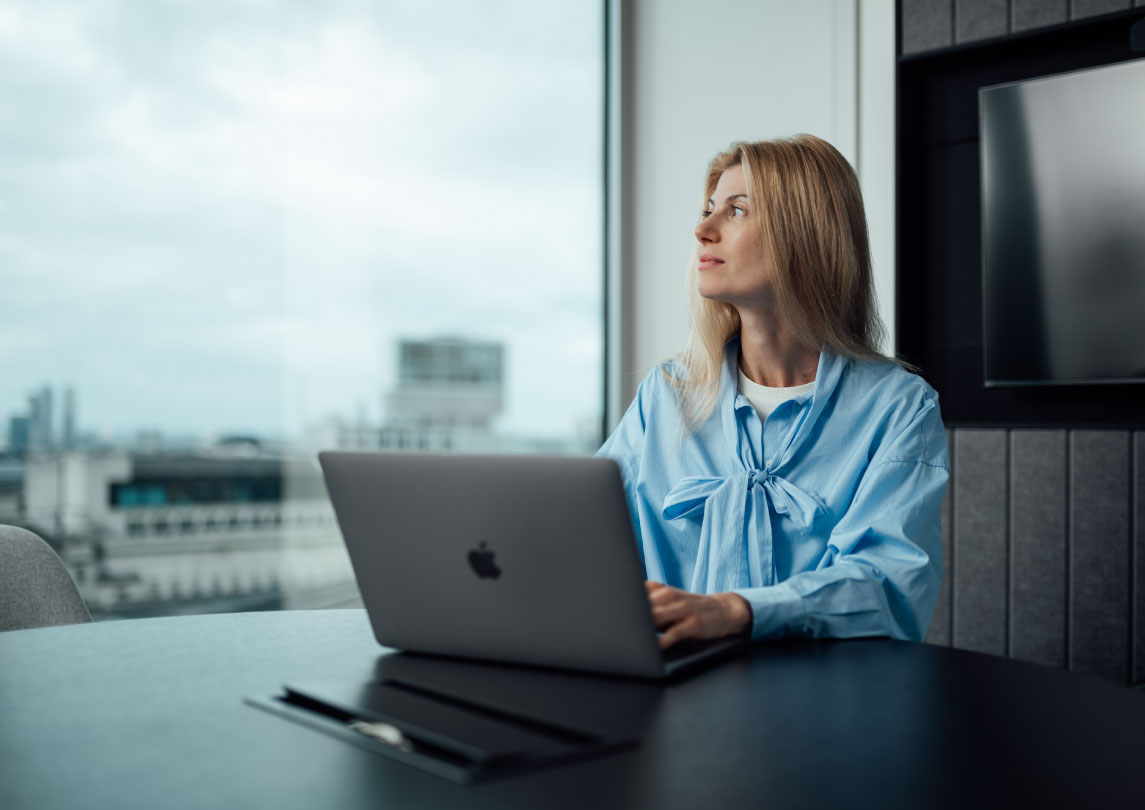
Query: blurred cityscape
(162, 525)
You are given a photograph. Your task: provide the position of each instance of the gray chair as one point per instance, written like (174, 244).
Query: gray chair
(35, 588)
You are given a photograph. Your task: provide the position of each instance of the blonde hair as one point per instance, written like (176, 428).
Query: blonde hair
(807, 204)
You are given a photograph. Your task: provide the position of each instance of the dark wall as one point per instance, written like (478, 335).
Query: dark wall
(928, 25)
(1044, 521)
(1043, 535)
(939, 319)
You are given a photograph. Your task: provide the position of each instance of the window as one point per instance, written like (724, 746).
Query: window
(236, 233)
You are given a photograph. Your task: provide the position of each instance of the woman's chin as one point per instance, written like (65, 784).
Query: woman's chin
(713, 292)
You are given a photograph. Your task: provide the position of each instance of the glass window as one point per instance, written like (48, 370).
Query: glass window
(236, 233)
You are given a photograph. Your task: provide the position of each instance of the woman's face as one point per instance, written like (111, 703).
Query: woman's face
(733, 268)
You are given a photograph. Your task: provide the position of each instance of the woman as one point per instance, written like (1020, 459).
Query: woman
(784, 478)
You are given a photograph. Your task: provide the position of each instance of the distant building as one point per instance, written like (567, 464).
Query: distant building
(222, 529)
(11, 489)
(447, 384)
(448, 395)
(18, 435)
(68, 439)
(40, 433)
(33, 430)
(449, 391)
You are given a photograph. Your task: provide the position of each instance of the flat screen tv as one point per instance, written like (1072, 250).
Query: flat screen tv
(1063, 227)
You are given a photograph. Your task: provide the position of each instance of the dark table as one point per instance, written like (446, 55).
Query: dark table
(150, 714)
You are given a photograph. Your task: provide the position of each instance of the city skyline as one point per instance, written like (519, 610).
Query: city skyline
(418, 385)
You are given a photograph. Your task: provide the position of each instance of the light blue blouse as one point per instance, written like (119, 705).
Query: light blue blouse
(824, 517)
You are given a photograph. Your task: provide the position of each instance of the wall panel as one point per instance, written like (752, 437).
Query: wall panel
(980, 542)
(1027, 14)
(1137, 585)
(1080, 9)
(1099, 555)
(927, 24)
(980, 19)
(1038, 546)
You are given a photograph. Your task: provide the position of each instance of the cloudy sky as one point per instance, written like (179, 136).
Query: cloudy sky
(220, 216)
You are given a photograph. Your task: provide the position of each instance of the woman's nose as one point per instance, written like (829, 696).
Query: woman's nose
(706, 232)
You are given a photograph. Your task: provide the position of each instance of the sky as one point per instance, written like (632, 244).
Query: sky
(219, 217)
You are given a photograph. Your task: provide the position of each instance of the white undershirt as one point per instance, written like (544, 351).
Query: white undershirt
(766, 399)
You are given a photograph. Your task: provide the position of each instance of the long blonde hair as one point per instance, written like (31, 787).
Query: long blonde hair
(813, 230)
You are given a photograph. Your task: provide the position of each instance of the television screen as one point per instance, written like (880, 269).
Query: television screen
(1063, 227)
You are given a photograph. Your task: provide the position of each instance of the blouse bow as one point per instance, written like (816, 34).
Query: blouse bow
(736, 549)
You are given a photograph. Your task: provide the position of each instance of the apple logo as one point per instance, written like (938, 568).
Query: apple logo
(482, 562)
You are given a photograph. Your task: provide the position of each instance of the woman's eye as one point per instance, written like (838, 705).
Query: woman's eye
(738, 212)
(705, 214)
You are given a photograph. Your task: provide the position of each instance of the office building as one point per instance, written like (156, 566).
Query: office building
(18, 435)
(41, 436)
(448, 395)
(447, 384)
(152, 533)
(69, 436)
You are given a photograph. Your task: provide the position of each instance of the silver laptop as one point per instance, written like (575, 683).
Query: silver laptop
(523, 559)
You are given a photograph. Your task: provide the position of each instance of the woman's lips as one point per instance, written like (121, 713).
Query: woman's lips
(707, 262)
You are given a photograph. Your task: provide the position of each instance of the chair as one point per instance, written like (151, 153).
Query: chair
(35, 588)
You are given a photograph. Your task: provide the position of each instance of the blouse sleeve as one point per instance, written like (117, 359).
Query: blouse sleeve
(881, 572)
(626, 447)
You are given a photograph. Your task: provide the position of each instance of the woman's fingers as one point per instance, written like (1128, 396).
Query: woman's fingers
(667, 596)
(688, 628)
(681, 614)
(694, 612)
(669, 612)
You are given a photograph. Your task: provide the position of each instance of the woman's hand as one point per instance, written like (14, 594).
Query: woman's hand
(680, 614)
